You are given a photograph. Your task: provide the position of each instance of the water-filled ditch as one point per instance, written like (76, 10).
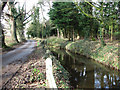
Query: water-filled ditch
(85, 72)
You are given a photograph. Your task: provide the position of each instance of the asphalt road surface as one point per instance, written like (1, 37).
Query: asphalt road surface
(13, 60)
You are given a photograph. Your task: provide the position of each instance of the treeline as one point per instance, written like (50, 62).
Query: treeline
(75, 20)
(39, 26)
(86, 19)
(17, 18)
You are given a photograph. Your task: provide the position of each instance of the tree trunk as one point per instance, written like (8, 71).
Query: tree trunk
(2, 37)
(23, 36)
(0, 33)
(69, 35)
(61, 34)
(58, 34)
(13, 31)
(119, 15)
(42, 31)
(73, 34)
(101, 37)
(42, 19)
(111, 32)
(13, 26)
(102, 28)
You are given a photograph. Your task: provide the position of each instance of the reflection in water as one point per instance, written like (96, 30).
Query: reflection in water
(86, 73)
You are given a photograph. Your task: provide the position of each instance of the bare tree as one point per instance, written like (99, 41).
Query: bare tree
(2, 36)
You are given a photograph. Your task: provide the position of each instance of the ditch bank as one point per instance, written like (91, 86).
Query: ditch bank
(107, 55)
(59, 75)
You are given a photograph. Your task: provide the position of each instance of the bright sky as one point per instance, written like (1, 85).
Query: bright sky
(29, 5)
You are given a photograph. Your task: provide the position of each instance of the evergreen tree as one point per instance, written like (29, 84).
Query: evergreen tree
(65, 16)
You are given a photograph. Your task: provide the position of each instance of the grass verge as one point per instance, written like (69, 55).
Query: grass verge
(60, 74)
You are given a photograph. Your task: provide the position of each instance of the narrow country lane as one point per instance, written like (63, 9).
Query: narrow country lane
(18, 53)
(12, 61)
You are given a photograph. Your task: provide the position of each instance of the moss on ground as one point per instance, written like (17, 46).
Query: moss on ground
(107, 55)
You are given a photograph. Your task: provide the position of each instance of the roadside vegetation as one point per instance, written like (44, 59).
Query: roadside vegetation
(10, 44)
(61, 75)
(32, 74)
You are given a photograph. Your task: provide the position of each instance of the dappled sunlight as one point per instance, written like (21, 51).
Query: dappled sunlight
(87, 32)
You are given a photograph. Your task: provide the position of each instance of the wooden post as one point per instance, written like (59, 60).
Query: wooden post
(49, 74)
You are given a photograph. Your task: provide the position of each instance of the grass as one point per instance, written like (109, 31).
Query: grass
(107, 55)
(12, 44)
(9, 42)
(57, 42)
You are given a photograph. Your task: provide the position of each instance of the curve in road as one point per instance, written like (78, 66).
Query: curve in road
(19, 53)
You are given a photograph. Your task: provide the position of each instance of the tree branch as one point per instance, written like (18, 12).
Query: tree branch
(28, 17)
(3, 5)
(10, 16)
(92, 5)
(27, 22)
(88, 15)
